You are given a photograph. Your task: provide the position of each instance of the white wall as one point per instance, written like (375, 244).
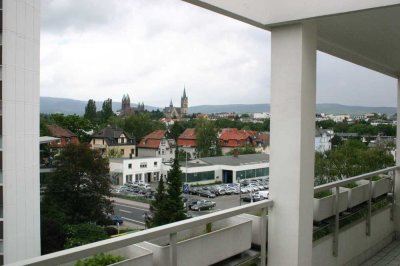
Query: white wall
(122, 166)
(354, 245)
(21, 40)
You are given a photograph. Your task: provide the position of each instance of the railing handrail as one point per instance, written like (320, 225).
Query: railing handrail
(84, 251)
(346, 181)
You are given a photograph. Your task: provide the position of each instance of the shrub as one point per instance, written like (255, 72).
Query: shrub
(99, 260)
(351, 185)
(322, 194)
(376, 178)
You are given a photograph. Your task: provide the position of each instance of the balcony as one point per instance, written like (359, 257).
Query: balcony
(366, 227)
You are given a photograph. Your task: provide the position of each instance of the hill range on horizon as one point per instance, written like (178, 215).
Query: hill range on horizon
(66, 106)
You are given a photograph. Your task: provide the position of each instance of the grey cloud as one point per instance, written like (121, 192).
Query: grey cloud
(60, 15)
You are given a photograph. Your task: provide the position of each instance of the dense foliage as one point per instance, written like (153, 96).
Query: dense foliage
(90, 111)
(100, 260)
(207, 138)
(168, 204)
(77, 193)
(350, 159)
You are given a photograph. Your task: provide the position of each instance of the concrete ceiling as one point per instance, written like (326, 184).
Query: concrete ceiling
(369, 37)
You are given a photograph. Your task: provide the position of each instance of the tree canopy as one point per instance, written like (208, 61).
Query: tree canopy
(90, 111)
(80, 185)
(350, 159)
(207, 138)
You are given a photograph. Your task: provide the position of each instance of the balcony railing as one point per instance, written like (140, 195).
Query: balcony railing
(172, 229)
(342, 183)
(109, 245)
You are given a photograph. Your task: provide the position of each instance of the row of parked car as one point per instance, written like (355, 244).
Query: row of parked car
(135, 189)
(246, 186)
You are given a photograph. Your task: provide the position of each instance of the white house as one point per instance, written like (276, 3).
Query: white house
(145, 169)
(323, 140)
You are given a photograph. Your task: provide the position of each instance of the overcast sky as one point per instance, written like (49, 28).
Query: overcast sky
(102, 49)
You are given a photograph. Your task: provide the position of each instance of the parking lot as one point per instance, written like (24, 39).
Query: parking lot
(215, 193)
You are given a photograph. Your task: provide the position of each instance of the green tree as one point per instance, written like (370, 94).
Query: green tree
(80, 186)
(174, 203)
(158, 207)
(206, 138)
(82, 234)
(177, 129)
(248, 149)
(90, 111)
(106, 111)
(350, 159)
(78, 125)
(140, 125)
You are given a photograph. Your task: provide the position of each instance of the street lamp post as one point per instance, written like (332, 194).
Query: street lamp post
(188, 196)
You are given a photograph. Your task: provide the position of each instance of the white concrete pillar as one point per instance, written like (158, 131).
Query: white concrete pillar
(397, 172)
(293, 90)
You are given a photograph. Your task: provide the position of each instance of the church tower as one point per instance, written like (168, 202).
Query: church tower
(184, 103)
(126, 104)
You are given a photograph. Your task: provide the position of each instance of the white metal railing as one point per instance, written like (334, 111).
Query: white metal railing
(172, 229)
(341, 183)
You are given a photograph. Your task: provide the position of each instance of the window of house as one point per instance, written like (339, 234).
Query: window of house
(170, 151)
(122, 151)
(133, 151)
(122, 140)
(143, 165)
(138, 177)
(163, 142)
(155, 163)
(128, 178)
(130, 166)
(162, 152)
(159, 152)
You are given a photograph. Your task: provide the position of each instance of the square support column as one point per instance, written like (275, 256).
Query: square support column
(396, 214)
(293, 90)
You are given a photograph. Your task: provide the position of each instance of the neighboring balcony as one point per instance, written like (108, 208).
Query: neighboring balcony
(365, 224)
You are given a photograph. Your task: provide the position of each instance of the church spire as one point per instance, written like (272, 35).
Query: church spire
(184, 91)
(170, 104)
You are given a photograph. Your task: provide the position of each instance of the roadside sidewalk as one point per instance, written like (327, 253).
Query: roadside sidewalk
(131, 203)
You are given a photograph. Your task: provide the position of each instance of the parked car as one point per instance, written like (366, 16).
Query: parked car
(203, 205)
(116, 219)
(206, 193)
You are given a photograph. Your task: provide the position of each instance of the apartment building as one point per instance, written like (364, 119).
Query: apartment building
(19, 130)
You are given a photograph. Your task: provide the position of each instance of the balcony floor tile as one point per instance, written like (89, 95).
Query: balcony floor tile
(389, 255)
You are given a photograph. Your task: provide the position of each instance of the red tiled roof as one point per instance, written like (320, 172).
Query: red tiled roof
(158, 134)
(189, 133)
(59, 132)
(149, 143)
(152, 140)
(187, 143)
(232, 137)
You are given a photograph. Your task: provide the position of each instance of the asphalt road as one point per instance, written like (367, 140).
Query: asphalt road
(130, 213)
(135, 215)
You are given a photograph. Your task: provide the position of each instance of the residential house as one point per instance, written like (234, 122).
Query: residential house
(232, 138)
(323, 140)
(187, 142)
(114, 140)
(64, 136)
(157, 144)
(261, 142)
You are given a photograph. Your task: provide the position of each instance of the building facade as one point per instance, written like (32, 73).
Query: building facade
(115, 142)
(157, 144)
(19, 155)
(139, 169)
